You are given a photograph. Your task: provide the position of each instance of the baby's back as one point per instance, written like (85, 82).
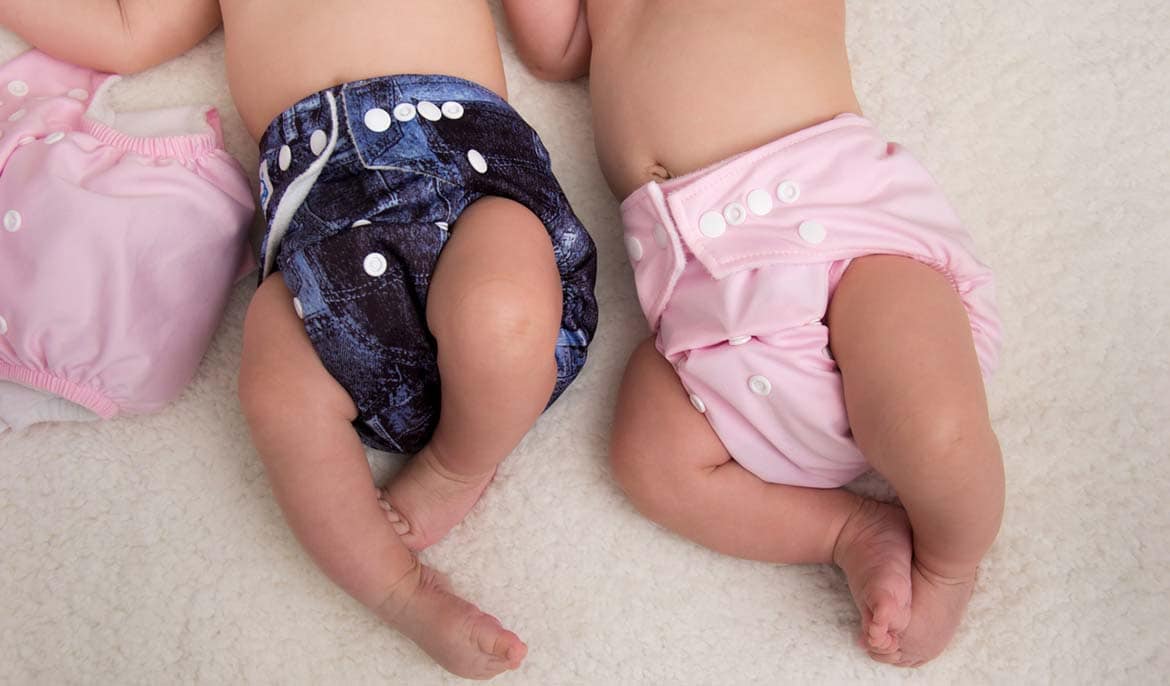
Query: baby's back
(682, 85)
(279, 51)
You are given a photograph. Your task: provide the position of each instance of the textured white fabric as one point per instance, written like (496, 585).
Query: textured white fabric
(150, 550)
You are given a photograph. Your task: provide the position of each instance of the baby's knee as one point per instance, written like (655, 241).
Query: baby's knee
(956, 432)
(501, 323)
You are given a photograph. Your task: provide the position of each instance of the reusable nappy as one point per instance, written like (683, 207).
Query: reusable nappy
(735, 266)
(120, 237)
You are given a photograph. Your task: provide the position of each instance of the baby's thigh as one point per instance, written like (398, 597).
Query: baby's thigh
(281, 375)
(904, 342)
(659, 443)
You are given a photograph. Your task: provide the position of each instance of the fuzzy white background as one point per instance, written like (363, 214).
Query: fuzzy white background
(150, 551)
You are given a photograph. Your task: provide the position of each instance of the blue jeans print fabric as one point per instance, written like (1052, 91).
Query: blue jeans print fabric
(361, 185)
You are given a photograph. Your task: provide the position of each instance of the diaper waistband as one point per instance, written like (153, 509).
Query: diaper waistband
(834, 191)
(182, 147)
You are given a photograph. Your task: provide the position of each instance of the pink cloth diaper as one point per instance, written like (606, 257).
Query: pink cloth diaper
(120, 237)
(735, 265)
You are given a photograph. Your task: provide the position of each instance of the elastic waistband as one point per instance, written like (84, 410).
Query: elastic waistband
(181, 147)
(733, 167)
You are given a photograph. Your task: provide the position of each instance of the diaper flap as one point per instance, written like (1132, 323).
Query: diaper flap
(41, 96)
(654, 249)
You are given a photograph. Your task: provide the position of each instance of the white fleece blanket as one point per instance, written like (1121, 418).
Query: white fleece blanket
(150, 551)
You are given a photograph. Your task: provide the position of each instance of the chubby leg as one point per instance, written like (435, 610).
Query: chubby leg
(300, 421)
(916, 404)
(495, 309)
(669, 461)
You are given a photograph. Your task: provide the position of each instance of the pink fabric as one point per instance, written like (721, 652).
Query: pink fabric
(117, 252)
(738, 308)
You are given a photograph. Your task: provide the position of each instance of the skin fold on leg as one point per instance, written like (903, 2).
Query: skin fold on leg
(675, 470)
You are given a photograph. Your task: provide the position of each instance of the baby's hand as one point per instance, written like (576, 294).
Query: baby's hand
(120, 37)
(552, 37)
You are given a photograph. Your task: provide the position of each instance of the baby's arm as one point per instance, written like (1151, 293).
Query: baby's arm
(118, 36)
(552, 36)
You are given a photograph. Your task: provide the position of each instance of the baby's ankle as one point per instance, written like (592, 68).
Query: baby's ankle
(397, 598)
(942, 569)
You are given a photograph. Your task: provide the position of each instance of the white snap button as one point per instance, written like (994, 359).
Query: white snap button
(739, 340)
(360, 223)
(759, 202)
(444, 226)
(318, 141)
(429, 111)
(712, 225)
(18, 88)
(55, 137)
(12, 221)
(3, 326)
(478, 163)
(375, 264)
(284, 159)
(17, 115)
(377, 120)
(660, 238)
(788, 192)
(452, 110)
(698, 404)
(26, 140)
(735, 214)
(760, 385)
(634, 248)
(813, 232)
(78, 94)
(300, 310)
(404, 112)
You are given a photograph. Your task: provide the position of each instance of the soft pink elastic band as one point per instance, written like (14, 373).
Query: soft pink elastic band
(180, 147)
(88, 398)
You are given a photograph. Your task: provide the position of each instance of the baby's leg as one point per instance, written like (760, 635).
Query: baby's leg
(671, 464)
(918, 412)
(494, 308)
(300, 420)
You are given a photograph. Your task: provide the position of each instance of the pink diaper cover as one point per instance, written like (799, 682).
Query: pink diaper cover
(735, 265)
(120, 237)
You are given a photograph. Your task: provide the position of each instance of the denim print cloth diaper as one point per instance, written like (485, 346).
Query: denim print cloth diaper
(360, 186)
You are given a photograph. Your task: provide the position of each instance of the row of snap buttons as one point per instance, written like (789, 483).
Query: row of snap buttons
(714, 224)
(21, 89)
(379, 120)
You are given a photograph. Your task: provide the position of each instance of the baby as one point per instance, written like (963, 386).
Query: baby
(425, 286)
(816, 308)
(425, 289)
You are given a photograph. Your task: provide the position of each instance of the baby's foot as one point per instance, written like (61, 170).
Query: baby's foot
(936, 610)
(426, 499)
(874, 549)
(456, 634)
